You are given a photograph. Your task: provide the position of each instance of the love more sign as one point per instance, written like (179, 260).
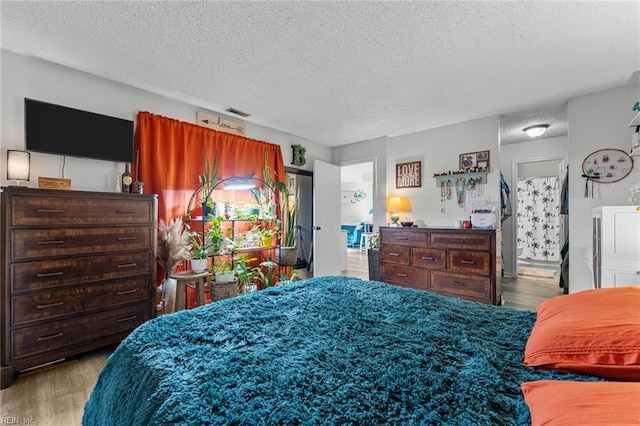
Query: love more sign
(409, 175)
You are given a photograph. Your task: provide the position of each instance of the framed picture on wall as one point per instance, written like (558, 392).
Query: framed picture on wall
(473, 160)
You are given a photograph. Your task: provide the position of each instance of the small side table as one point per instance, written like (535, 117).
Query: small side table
(364, 240)
(185, 277)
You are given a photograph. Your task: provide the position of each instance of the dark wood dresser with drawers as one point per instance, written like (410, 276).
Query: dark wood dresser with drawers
(78, 272)
(457, 262)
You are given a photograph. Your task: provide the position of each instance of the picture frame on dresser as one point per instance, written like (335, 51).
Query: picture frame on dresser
(78, 273)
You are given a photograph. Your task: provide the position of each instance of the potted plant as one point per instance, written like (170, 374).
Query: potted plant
(267, 235)
(266, 274)
(288, 253)
(245, 273)
(173, 248)
(222, 270)
(199, 253)
(208, 179)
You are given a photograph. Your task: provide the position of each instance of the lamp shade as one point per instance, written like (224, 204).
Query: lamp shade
(535, 131)
(18, 165)
(399, 204)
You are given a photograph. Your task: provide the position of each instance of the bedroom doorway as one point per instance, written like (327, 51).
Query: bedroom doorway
(541, 230)
(357, 186)
(302, 181)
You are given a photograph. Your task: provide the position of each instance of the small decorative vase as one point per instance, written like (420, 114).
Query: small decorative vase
(169, 295)
(199, 265)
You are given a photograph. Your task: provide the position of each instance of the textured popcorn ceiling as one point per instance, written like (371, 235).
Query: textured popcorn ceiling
(341, 72)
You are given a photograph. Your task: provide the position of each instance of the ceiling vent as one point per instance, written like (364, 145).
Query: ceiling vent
(237, 112)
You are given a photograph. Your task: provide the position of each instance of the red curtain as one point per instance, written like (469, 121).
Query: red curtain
(172, 154)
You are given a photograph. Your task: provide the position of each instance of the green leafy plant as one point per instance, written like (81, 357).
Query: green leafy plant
(208, 179)
(266, 273)
(245, 273)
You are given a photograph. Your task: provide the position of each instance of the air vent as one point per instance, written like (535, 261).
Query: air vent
(237, 112)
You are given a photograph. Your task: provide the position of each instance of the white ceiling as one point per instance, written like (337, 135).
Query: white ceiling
(341, 72)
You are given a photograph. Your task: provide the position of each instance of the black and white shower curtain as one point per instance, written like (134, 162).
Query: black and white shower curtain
(539, 218)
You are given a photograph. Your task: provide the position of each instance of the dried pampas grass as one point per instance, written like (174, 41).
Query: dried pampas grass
(173, 244)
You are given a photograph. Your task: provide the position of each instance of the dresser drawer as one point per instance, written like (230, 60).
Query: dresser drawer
(478, 262)
(58, 334)
(51, 304)
(57, 211)
(45, 243)
(45, 274)
(413, 238)
(406, 276)
(400, 255)
(429, 258)
(466, 286)
(461, 240)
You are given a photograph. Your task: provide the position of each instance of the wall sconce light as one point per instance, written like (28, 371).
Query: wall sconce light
(535, 131)
(398, 204)
(18, 166)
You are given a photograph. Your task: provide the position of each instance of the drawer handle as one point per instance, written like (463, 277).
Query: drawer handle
(51, 336)
(394, 254)
(458, 283)
(468, 262)
(129, 318)
(458, 241)
(49, 274)
(125, 212)
(637, 272)
(428, 258)
(402, 238)
(126, 238)
(127, 265)
(120, 293)
(50, 211)
(50, 305)
(51, 242)
(403, 275)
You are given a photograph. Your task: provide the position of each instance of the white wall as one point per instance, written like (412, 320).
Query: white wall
(33, 78)
(439, 150)
(355, 213)
(511, 155)
(596, 121)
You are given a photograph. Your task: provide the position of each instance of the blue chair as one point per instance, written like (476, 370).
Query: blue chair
(353, 234)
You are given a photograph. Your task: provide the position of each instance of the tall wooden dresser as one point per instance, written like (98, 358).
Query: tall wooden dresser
(78, 272)
(465, 263)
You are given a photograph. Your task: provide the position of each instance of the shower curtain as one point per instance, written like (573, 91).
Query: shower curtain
(539, 218)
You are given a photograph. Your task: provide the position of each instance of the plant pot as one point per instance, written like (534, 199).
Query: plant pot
(225, 277)
(199, 265)
(267, 241)
(287, 256)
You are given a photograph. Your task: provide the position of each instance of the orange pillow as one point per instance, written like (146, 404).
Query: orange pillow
(594, 332)
(553, 402)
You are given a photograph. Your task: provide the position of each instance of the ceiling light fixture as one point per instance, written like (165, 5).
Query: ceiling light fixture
(535, 131)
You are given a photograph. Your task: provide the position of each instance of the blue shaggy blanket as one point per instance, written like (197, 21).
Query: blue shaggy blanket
(329, 350)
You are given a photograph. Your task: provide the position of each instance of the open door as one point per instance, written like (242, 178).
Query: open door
(326, 214)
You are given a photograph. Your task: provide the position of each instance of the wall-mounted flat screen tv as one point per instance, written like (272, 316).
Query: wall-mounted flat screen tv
(56, 129)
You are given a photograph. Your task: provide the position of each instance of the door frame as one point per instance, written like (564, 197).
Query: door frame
(564, 228)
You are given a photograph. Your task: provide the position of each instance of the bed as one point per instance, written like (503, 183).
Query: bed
(328, 350)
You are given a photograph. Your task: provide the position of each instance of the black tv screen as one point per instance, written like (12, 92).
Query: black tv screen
(56, 129)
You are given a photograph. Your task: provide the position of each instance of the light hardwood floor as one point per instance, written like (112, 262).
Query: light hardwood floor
(56, 396)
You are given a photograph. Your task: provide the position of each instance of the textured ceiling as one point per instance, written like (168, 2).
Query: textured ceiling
(341, 72)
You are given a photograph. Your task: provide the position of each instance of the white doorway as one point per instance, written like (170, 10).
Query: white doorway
(357, 189)
(540, 229)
